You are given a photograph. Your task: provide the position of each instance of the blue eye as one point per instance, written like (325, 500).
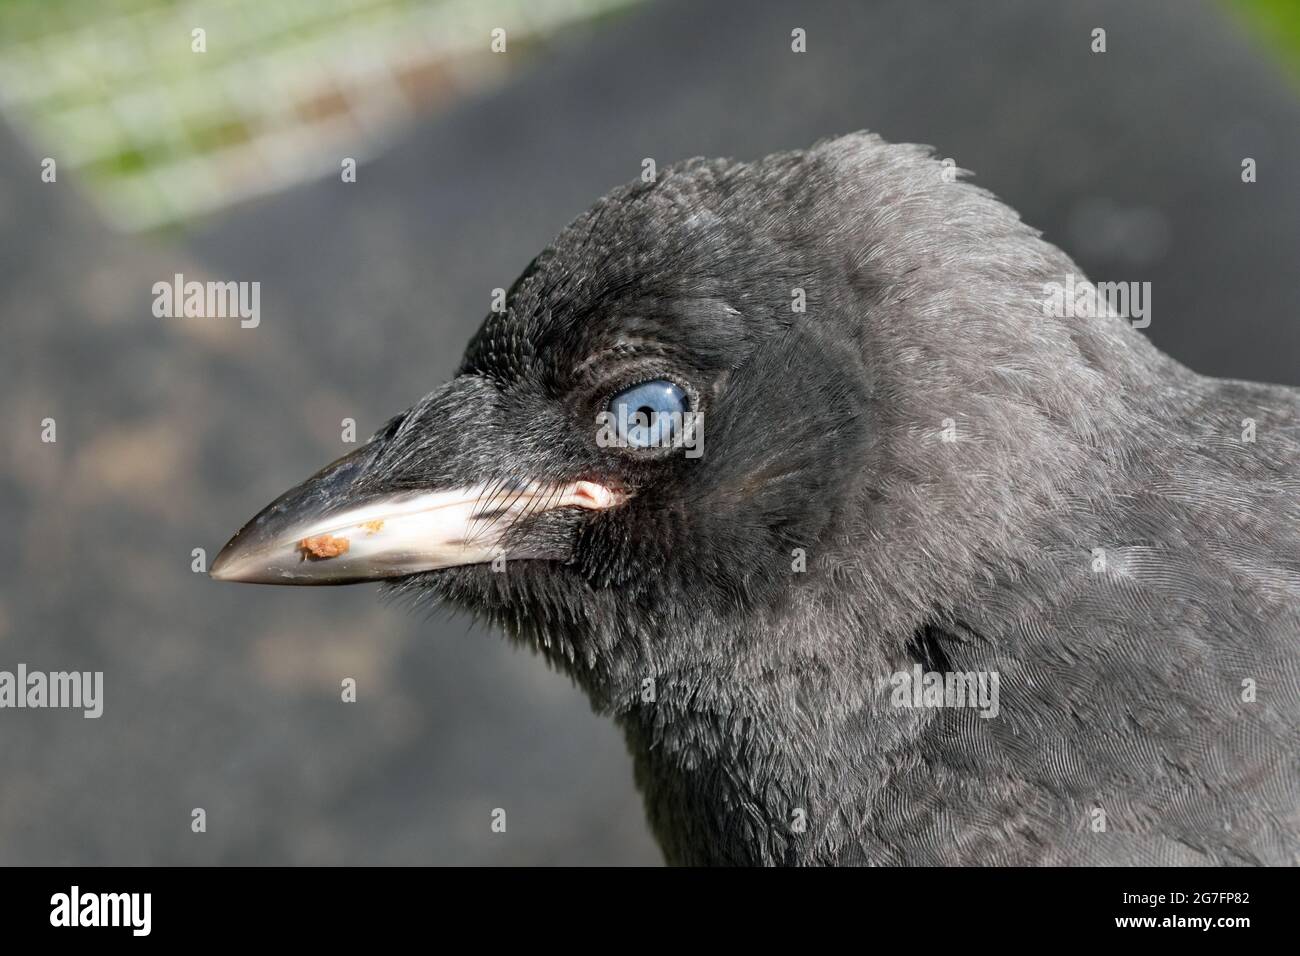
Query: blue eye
(649, 415)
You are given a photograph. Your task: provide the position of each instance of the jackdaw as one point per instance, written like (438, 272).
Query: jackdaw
(882, 535)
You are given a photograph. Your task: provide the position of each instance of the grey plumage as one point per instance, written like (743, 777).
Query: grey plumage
(976, 487)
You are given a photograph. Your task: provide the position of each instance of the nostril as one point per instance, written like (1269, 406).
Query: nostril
(391, 428)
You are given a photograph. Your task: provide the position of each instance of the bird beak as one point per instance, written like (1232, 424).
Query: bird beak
(331, 530)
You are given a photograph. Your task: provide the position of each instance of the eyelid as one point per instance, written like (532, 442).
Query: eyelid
(689, 393)
(626, 350)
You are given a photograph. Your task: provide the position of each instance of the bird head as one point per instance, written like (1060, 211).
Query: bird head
(717, 399)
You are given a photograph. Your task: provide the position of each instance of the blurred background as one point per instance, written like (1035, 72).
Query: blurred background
(225, 164)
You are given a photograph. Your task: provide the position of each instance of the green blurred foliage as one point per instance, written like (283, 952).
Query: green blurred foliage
(1277, 22)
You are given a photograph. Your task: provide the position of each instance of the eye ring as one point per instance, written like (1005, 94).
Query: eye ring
(650, 417)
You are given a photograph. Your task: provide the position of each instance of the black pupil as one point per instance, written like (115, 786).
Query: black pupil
(647, 411)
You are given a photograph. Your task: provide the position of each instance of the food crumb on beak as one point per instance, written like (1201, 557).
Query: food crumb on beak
(322, 547)
(374, 527)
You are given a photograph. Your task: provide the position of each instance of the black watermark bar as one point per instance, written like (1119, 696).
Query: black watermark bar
(329, 906)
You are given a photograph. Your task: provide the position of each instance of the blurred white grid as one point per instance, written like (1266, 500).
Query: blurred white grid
(114, 92)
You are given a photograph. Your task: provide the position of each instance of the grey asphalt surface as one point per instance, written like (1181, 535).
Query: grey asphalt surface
(172, 432)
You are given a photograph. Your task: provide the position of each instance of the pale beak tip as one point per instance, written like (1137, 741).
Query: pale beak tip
(223, 568)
